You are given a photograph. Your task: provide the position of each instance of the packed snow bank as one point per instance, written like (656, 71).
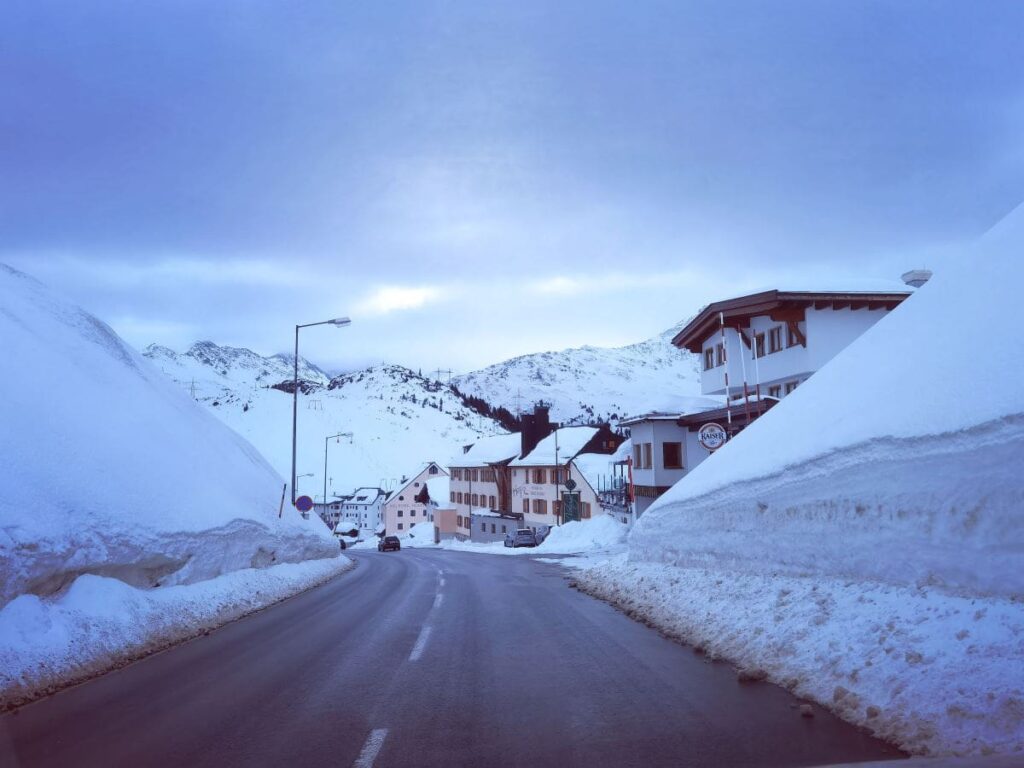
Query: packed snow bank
(865, 538)
(420, 535)
(100, 623)
(110, 469)
(931, 672)
(899, 444)
(599, 534)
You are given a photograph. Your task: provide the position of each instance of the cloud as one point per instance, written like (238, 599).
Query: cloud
(397, 298)
(170, 270)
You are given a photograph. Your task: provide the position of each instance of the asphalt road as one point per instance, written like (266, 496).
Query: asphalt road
(423, 658)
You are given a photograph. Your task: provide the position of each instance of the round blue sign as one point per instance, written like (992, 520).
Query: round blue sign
(303, 503)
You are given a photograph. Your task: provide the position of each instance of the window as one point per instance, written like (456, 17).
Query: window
(775, 339)
(401, 498)
(433, 469)
(539, 476)
(494, 528)
(458, 497)
(453, 497)
(493, 502)
(476, 500)
(709, 358)
(775, 391)
(400, 527)
(526, 506)
(412, 513)
(540, 506)
(458, 520)
(759, 344)
(648, 459)
(791, 385)
(720, 354)
(476, 475)
(399, 513)
(483, 527)
(503, 529)
(638, 456)
(586, 509)
(672, 455)
(792, 335)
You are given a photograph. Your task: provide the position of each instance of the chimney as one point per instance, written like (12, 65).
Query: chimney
(534, 427)
(916, 277)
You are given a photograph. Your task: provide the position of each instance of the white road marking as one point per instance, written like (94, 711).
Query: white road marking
(371, 748)
(421, 644)
(441, 581)
(438, 599)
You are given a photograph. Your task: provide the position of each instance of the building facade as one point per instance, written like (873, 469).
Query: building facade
(411, 503)
(487, 527)
(364, 508)
(754, 351)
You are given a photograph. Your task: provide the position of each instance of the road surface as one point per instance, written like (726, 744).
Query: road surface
(424, 658)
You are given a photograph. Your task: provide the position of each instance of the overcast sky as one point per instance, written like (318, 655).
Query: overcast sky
(474, 180)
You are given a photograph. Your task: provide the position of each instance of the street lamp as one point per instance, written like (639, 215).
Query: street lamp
(339, 322)
(327, 441)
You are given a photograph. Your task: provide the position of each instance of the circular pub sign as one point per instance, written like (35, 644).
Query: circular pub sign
(712, 436)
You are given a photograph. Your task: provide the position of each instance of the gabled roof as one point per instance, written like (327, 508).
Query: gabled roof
(783, 305)
(687, 405)
(568, 440)
(423, 468)
(489, 450)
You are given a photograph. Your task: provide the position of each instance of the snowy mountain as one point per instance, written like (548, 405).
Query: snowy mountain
(587, 383)
(398, 419)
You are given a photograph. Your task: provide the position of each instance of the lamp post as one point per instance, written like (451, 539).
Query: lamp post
(327, 441)
(340, 322)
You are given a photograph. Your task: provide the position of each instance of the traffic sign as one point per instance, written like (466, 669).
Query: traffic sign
(570, 484)
(303, 503)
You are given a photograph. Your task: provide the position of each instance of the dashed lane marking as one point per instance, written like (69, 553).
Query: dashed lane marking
(421, 644)
(438, 599)
(371, 748)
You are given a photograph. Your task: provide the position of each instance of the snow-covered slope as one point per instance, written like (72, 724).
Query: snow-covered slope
(110, 469)
(588, 383)
(398, 419)
(863, 543)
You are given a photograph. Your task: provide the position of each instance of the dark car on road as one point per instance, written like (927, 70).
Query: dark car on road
(522, 537)
(388, 542)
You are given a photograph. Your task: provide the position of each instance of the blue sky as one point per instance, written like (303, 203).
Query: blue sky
(471, 181)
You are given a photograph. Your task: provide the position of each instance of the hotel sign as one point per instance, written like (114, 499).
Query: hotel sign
(712, 436)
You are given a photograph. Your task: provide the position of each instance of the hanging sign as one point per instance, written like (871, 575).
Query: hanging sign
(712, 436)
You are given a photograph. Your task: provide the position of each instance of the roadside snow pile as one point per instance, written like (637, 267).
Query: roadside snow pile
(420, 535)
(599, 534)
(111, 470)
(603, 532)
(99, 623)
(864, 541)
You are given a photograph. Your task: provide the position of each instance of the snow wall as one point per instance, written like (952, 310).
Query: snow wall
(899, 461)
(111, 469)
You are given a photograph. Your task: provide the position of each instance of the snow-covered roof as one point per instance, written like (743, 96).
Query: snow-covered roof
(568, 440)
(438, 488)
(683, 406)
(594, 466)
(489, 450)
(623, 452)
(365, 496)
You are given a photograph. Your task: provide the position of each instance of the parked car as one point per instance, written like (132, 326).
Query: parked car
(523, 537)
(388, 542)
